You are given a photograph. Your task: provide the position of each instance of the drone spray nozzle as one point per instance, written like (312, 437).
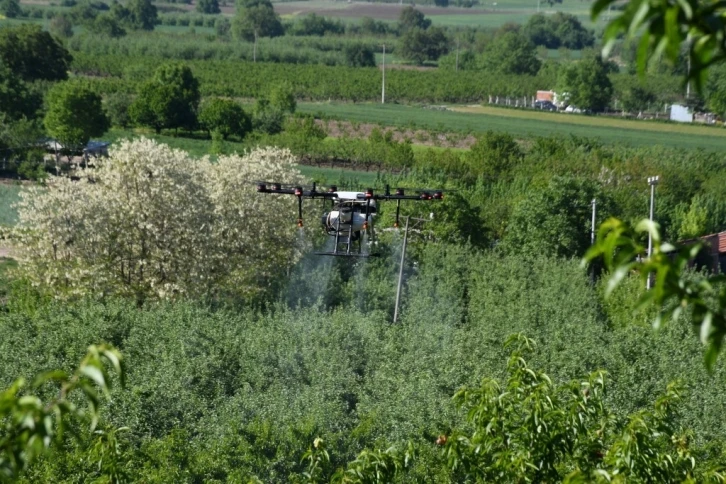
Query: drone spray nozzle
(277, 187)
(438, 195)
(298, 191)
(300, 223)
(261, 187)
(396, 224)
(365, 225)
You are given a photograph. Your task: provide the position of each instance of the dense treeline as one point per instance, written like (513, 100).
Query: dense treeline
(225, 395)
(292, 50)
(313, 82)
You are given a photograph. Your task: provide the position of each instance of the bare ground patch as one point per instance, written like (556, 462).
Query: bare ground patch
(338, 129)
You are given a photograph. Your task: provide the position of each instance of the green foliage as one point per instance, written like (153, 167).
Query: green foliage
(168, 100)
(558, 30)
(106, 25)
(555, 220)
(410, 18)
(637, 99)
(224, 75)
(282, 97)
(16, 100)
(117, 108)
(31, 425)
(532, 430)
(494, 154)
(715, 90)
(663, 28)
(142, 15)
(61, 27)
(419, 45)
(511, 53)
(75, 115)
(10, 8)
(359, 55)
(258, 19)
(33, 54)
(703, 298)
(225, 117)
(315, 25)
(208, 6)
(587, 84)
(266, 118)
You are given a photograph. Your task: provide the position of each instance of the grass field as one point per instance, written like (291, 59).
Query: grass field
(8, 196)
(523, 123)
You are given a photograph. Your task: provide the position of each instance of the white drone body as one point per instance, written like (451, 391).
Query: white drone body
(351, 213)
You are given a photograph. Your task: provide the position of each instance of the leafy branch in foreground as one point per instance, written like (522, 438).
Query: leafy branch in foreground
(672, 293)
(30, 426)
(666, 24)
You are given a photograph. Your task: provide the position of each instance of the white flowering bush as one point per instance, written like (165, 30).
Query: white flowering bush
(152, 222)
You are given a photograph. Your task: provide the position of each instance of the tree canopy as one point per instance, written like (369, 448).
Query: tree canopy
(33, 54)
(257, 19)
(168, 100)
(75, 114)
(420, 45)
(208, 6)
(16, 100)
(587, 83)
(225, 117)
(410, 18)
(153, 223)
(511, 53)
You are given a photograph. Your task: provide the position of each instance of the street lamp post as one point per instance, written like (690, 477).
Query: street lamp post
(652, 181)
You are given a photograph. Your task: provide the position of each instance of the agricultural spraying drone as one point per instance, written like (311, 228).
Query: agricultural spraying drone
(351, 212)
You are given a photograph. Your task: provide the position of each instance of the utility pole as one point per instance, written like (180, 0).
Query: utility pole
(592, 236)
(592, 229)
(652, 181)
(383, 82)
(457, 54)
(400, 272)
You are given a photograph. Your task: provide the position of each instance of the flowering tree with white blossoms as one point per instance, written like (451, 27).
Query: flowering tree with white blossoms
(152, 223)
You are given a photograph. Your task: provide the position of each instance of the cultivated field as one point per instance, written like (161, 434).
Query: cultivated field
(489, 14)
(528, 123)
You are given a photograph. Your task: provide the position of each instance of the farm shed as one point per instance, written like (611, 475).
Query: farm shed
(713, 255)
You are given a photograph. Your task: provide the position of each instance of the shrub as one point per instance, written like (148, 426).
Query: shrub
(153, 223)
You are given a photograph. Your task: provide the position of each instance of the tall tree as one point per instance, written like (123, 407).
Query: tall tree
(143, 15)
(555, 220)
(208, 6)
(10, 8)
(75, 114)
(256, 18)
(61, 27)
(168, 100)
(33, 54)
(224, 117)
(411, 18)
(716, 90)
(421, 45)
(511, 53)
(587, 83)
(16, 101)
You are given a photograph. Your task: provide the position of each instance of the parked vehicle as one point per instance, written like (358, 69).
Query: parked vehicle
(545, 105)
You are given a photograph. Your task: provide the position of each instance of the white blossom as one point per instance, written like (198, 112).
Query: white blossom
(152, 222)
